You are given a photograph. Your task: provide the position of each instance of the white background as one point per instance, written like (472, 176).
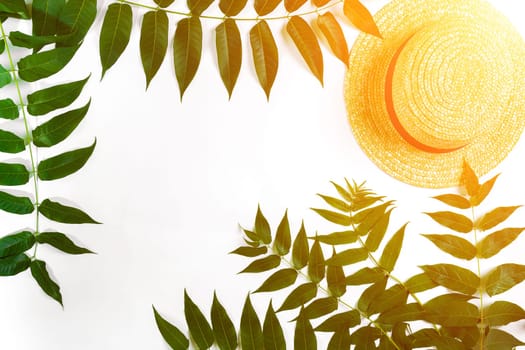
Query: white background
(172, 181)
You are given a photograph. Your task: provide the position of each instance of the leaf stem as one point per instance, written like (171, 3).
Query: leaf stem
(32, 153)
(481, 289)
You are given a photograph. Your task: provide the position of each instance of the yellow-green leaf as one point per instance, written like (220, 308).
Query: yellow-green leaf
(483, 191)
(360, 17)
(304, 336)
(272, 331)
(229, 52)
(402, 313)
(370, 294)
(454, 200)
(250, 251)
(453, 245)
(503, 278)
(199, 328)
(451, 313)
(306, 42)
(262, 227)
(366, 275)
(377, 232)
(164, 3)
(279, 280)
(336, 238)
(388, 299)
(344, 320)
(334, 35)
(495, 217)
(187, 50)
(316, 263)
(293, 5)
(223, 328)
(335, 279)
(419, 283)
(469, 179)
(265, 55)
(343, 192)
(263, 264)
(283, 238)
(300, 250)
(340, 340)
(299, 296)
(454, 221)
(251, 334)
(367, 218)
(365, 337)
(453, 277)
(496, 241)
(264, 7)
(232, 7)
(332, 216)
(335, 203)
(153, 42)
(392, 249)
(320, 307)
(501, 313)
(198, 6)
(348, 257)
(498, 340)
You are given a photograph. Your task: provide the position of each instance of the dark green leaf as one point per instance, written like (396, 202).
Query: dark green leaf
(2, 46)
(14, 264)
(503, 278)
(370, 294)
(402, 313)
(392, 297)
(64, 214)
(187, 50)
(115, 33)
(495, 242)
(364, 338)
(15, 204)
(453, 277)
(76, 17)
(41, 276)
(366, 275)
(250, 251)
(64, 164)
(171, 334)
(153, 42)
(5, 76)
(11, 143)
(495, 217)
(262, 228)
(335, 238)
(251, 332)
(61, 242)
(320, 307)
(300, 249)
(279, 280)
(198, 6)
(501, 313)
(348, 257)
(454, 200)
(456, 222)
(336, 203)
(344, 320)
(44, 64)
(335, 279)
(272, 331)
(498, 340)
(45, 16)
(299, 296)
(283, 239)
(16, 243)
(223, 328)
(263, 264)
(35, 42)
(483, 192)
(453, 245)
(229, 52)
(164, 3)
(13, 174)
(332, 216)
(59, 128)
(14, 7)
(316, 263)
(264, 7)
(377, 232)
(8, 109)
(392, 249)
(450, 311)
(199, 328)
(419, 283)
(49, 99)
(304, 335)
(231, 7)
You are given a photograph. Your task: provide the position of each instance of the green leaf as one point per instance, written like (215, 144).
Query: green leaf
(115, 34)
(368, 218)
(304, 336)
(456, 222)
(34, 41)
(483, 191)
(370, 295)
(61, 242)
(76, 18)
(278, 280)
(59, 128)
(365, 337)
(231, 7)
(45, 16)
(366, 275)
(503, 278)
(453, 277)
(283, 239)
(223, 328)
(320, 307)
(402, 313)
(198, 6)
(454, 200)
(265, 55)
(264, 7)
(250, 251)
(332, 216)
(187, 50)
(263, 264)
(64, 164)
(16, 243)
(451, 312)
(419, 283)
(11, 143)
(13, 174)
(344, 320)
(453, 245)
(392, 249)
(164, 3)
(199, 328)
(16, 204)
(14, 7)
(251, 333)
(501, 313)
(64, 214)
(12, 265)
(390, 298)
(49, 99)
(41, 276)
(498, 340)
(44, 64)
(8, 109)
(272, 331)
(468, 335)
(300, 249)
(305, 40)
(229, 52)
(340, 340)
(335, 203)
(153, 42)
(5, 76)
(171, 334)
(316, 263)
(348, 257)
(299, 296)
(377, 232)
(495, 217)
(335, 279)
(262, 228)
(496, 241)
(336, 238)
(2, 46)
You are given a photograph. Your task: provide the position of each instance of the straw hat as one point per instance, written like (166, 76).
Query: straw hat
(446, 84)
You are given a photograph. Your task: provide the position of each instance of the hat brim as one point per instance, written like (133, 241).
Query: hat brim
(367, 111)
